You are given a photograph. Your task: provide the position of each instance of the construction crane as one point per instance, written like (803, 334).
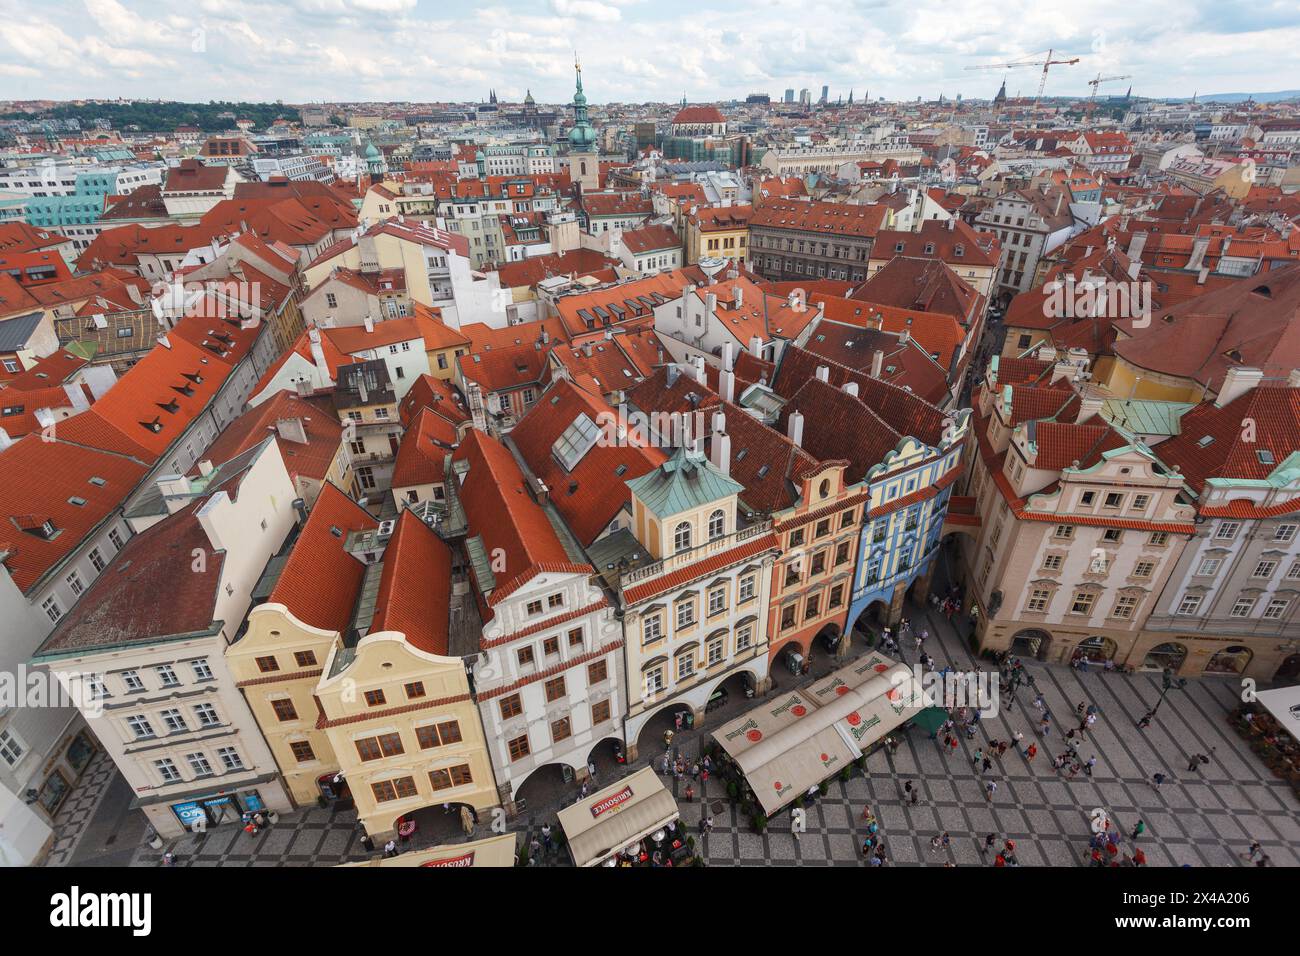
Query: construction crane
(1046, 63)
(1094, 83)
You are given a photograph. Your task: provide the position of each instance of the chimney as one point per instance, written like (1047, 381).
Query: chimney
(851, 388)
(698, 362)
(1293, 380)
(737, 296)
(206, 467)
(292, 429)
(756, 347)
(727, 356)
(318, 354)
(1237, 382)
(823, 373)
(720, 452)
(1136, 244)
(1089, 407)
(794, 427)
(877, 363)
(1200, 246)
(672, 374)
(370, 323)
(711, 303)
(904, 337)
(587, 350)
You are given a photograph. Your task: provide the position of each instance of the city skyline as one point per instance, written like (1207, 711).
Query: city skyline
(410, 50)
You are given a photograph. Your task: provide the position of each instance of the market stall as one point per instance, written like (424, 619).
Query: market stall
(791, 743)
(494, 851)
(602, 825)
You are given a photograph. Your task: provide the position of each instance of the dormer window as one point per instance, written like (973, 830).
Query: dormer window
(171, 407)
(682, 537)
(154, 426)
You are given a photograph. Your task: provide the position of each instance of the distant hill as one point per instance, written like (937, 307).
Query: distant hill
(1242, 97)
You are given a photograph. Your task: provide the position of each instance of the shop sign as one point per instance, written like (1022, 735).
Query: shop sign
(612, 802)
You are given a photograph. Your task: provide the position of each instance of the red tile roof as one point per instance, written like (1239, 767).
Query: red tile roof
(501, 511)
(311, 460)
(698, 115)
(425, 445)
(41, 478)
(320, 581)
(415, 586)
(589, 496)
(823, 218)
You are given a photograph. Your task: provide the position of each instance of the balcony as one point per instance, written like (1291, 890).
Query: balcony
(692, 555)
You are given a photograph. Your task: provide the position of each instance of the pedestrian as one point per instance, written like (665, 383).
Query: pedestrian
(1092, 762)
(1264, 860)
(1139, 858)
(1002, 747)
(591, 769)
(1145, 722)
(946, 840)
(1157, 779)
(706, 825)
(979, 755)
(1017, 736)
(1040, 704)
(1081, 708)
(390, 848)
(169, 859)
(866, 849)
(952, 744)
(915, 797)
(1138, 831)
(989, 789)
(690, 792)
(907, 788)
(546, 837)
(1031, 751)
(534, 848)
(1045, 726)
(1254, 849)
(934, 844)
(988, 765)
(695, 770)
(989, 841)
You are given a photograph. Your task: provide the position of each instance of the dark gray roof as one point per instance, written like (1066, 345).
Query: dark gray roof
(14, 333)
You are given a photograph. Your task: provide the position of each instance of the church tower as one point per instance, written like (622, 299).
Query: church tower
(584, 159)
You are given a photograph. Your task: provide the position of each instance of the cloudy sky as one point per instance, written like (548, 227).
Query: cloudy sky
(632, 50)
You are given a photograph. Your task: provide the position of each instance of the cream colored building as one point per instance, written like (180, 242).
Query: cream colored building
(695, 609)
(145, 648)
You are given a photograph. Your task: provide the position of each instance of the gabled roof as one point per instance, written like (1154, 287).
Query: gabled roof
(41, 480)
(415, 586)
(824, 218)
(589, 494)
(925, 285)
(1212, 442)
(425, 446)
(500, 510)
(311, 460)
(320, 581)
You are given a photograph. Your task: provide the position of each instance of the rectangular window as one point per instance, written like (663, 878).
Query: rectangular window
(166, 675)
(284, 709)
(1114, 499)
(301, 750)
(597, 671)
(206, 715)
(551, 646)
(450, 777)
(651, 629)
(1190, 604)
(1285, 532)
(1124, 607)
(575, 637)
(746, 588)
(561, 730)
(1209, 566)
(1143, 569)
(717, 601)
(1064, 531)
(1038, 600)
(837, 598)
(511, 707)
(685, 666)
(374, 698)
(1227, 530)
(1140, 502)
(386, 791)
(267, 664)
(525, 656)
(744, 637)
(1265, 569)
(414, 690)
(1083, 601)
(305, 658)
(201, 669)
(1275, 609)
(685, 614)
(554, 689)
(132, 681)
(230, 757)
(199, 764)
(519, 748)
(166, 768)
(654, 680)
(1053, 562)
(140, 725)
(1158, 539)
(96, 559)
(1243, 607)
(599, 712)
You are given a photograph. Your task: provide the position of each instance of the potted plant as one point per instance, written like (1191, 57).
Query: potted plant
(733, 791)
(846, 773)
(690, 844)
(759, 822)
(823, 788)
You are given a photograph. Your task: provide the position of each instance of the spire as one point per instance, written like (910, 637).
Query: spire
(577, 66)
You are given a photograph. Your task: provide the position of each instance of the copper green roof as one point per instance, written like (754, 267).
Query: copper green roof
(684, 482)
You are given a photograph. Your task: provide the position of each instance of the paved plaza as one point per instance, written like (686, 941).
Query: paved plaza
(1201, 818)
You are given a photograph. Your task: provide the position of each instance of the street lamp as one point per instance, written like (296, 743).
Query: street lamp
(1167, 682)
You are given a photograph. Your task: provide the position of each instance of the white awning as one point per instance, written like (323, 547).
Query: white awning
(602, 824)
(1284, 704)
(790, 744)
(494, 851)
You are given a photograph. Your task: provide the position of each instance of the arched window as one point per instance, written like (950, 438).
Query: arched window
(682, 537)
(717, 524)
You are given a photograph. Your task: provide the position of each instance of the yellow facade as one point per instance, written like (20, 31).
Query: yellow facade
(406, 732)
(1124, 380)
(716, 243)
(298, 652)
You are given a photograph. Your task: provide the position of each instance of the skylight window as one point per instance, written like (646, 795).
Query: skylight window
(1265, 456)
(1205, 441)
(576, 441)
